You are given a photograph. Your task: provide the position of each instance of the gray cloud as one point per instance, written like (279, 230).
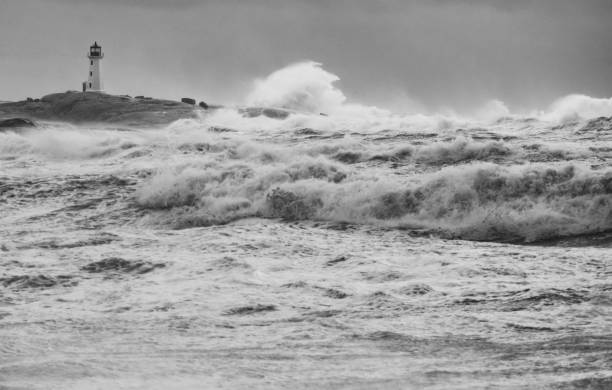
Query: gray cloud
(439, 53)
(139, 3)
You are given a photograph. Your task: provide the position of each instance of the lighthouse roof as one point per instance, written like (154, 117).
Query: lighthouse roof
(95, 45)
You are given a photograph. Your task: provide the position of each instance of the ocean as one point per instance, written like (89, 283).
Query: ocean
(353, 250)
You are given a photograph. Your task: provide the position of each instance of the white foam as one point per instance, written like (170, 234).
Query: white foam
(573, 107)
(304, 86)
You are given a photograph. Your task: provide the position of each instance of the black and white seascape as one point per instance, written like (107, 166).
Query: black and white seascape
(299, 229)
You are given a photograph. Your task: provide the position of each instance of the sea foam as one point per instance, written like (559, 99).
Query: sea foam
(477, 200)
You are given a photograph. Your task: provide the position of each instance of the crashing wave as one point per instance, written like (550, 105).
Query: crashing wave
(575, 107)
(302, 87)
(476, 202)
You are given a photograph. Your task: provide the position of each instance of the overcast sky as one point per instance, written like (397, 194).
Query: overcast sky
(399, 53)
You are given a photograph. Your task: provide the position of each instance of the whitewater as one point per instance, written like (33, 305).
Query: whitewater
(300, 240)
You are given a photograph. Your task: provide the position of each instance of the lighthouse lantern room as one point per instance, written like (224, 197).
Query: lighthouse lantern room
(94, 82)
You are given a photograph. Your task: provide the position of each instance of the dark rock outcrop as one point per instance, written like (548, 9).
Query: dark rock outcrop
(94, 107)
(16, 123)
(189, 101)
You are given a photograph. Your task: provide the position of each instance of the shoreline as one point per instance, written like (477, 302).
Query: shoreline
(95, 107)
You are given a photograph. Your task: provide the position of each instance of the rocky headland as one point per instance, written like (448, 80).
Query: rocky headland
(93, 107)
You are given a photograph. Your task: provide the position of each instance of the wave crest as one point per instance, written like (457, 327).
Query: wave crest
(304, 87)
(575, 107)
(478, 202)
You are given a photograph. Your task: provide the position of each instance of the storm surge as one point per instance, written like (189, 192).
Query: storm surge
(500, 176)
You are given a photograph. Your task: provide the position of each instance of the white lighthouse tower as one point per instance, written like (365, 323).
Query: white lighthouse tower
(94, 82)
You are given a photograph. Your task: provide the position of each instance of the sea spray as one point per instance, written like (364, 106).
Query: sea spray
(577, 107)
(304, 87)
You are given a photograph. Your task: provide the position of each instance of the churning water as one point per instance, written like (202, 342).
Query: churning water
(356, 249)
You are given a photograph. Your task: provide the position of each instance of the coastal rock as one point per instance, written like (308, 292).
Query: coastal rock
(16, 123)
(94, 107)
(203, 105)
(189, 101)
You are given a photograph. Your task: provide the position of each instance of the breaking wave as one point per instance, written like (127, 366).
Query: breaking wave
(64, 141)
(311, 99)
(303, 86)
(576, 107)
(479, 201)
(458, 150)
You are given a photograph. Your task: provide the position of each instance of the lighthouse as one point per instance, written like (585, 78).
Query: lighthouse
(94, 82)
